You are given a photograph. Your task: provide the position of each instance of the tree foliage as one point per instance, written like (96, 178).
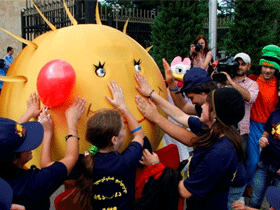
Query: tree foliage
(139, 4)
(255, 26)
(175, 28)
(226, 8)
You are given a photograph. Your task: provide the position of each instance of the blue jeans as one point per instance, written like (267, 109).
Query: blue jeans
(256, 131)
(265, 176)
(235, 193)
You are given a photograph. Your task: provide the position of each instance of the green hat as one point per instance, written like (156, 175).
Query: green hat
(271, 56)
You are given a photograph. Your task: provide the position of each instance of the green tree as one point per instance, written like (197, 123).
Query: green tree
(146, 4)
(255, 26)
(175, 28)
(139, 4)
(226, 8)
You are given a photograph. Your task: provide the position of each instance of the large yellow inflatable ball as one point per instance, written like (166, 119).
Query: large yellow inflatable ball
(98, 54)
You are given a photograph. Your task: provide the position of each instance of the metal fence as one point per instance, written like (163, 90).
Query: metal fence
(84, 12)
(32, 23)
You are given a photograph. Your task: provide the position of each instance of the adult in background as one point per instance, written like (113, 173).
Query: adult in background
(249, 89)
(197, 85)
(3, 69)
(263, 106)
(200, 54)
(9, 56)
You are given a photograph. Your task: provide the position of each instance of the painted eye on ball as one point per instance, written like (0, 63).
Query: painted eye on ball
(99, 70)
(137, 65)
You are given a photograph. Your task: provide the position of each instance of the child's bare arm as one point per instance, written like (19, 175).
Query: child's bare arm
(119, 103)
(263, 141)
(46, 121)
(73, 114)
(33, 108)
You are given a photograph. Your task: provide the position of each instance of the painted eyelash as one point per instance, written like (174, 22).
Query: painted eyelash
(137, 62)
(99, 66)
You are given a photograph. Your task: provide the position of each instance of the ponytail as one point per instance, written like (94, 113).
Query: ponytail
(85, 182)
(101, 128)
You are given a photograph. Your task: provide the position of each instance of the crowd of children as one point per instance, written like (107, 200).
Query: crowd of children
(106, 178)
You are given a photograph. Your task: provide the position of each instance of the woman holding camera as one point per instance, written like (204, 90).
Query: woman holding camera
(200, 53)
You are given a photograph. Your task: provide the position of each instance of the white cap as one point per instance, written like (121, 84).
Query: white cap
(245, 57)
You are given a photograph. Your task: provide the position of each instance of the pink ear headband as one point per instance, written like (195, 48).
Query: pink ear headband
(178, 60)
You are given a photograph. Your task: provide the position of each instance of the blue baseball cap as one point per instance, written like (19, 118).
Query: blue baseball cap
(16, 137)
(6, 195)
(273, 197)
(194, 77)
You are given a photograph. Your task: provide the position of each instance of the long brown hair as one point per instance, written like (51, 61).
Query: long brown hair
(101, 128)
(206, 49)
(213, 134)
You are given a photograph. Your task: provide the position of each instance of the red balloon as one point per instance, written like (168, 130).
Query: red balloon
(55, 82)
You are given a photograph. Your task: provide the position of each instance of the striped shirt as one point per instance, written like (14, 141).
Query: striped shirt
(253, 88)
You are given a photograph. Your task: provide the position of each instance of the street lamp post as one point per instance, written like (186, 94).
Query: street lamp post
(213, 26)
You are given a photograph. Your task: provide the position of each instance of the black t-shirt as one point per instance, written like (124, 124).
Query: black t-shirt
(114, 178)
(271, 153)
(199, 128)
(32, 188)
(210, 173)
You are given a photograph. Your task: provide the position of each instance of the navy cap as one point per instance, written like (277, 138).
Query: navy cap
(194, 77)
(273, 197)
(6, 195)
(16, 137)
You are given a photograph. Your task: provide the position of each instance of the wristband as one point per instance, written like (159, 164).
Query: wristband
(136, 129)
(154, 163)
(150, 95)
(175, 89)
(68, 136)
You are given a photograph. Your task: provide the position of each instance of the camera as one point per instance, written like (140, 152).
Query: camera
(198, 47)
(229, 66)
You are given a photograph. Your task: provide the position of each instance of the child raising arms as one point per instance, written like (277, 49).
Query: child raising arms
(108, 177)
(33, 187)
